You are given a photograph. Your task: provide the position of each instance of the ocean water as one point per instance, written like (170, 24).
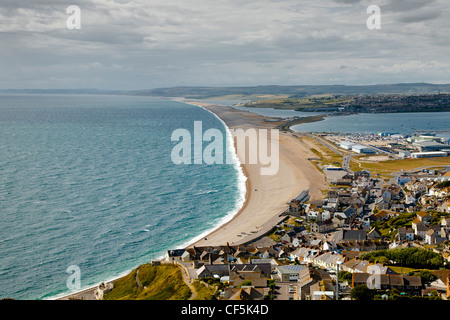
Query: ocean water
(88, 180)
(404, 123)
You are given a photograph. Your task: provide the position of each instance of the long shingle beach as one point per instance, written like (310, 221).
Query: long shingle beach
(267, 195)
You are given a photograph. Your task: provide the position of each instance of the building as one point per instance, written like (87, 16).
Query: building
(308, 277)
(249, 274)
(289, 272)
(404, 153)
(174, 255)
(220, 270)
(329, 260)
(405, 234)
(425, 146)
(409, 284)
(430, 154)
(347, 145)
(358, 148)
(322, 226)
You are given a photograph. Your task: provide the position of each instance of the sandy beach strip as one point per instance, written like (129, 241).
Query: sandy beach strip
(267, 196)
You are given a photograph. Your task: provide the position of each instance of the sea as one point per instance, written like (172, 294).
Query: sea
(88, 182)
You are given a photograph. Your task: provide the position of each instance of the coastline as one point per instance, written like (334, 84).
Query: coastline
(266, 197)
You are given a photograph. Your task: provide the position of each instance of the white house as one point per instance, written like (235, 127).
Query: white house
(313, 214)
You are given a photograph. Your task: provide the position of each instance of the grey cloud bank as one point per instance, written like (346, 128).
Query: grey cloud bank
(146, 44)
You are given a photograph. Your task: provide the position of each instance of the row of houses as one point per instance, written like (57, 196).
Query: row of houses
(411, 285)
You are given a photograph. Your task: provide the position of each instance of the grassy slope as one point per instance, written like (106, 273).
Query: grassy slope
(158, 283)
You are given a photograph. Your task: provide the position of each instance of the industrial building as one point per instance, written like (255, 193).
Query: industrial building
(362, 149)
(347, 145)
(431, 154)
(425, 146)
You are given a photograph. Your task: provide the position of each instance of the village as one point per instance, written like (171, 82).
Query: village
(320, 242)
(372, 235)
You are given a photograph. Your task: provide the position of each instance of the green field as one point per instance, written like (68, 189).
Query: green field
(389, 167)
(317, 101)
(163, 282)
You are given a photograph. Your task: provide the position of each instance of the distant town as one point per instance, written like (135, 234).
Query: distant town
(367, 103)
(381, 232)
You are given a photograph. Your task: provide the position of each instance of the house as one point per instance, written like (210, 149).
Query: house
(250, 273)
(409, 284)
(338, 219)
(437, 192)
(424, 217)
(420, 229)
(366, 245)
(209, 271)
(373, 234)
(220, 270)
(307, 278)
(322, 290)
(405, 234)
(384, 215)
(328, 260)
(314, 214)
(245, 294)
(322, 226)
(174, 255)
(433, 236)
(403, 179)
(289, 272)
(273, 263)
(445, 207)
(445, 222)
(409, 199)
(399, 207)
(329, 246)
(355, 265)
(350, 213)
(350, 235)
(304, 254)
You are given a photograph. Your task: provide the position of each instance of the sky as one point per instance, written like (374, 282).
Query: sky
(144, 44)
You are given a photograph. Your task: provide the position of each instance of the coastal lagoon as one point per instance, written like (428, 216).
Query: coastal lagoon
(88, 181)
(404, 123)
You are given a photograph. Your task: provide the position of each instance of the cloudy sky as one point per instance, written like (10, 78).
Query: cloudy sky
(146, 44)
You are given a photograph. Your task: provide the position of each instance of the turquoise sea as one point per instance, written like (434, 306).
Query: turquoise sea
(88, 180)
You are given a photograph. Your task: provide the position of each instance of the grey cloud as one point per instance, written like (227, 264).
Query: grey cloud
(148, 43)
(406, 5)
(420, 16)
(347, 1)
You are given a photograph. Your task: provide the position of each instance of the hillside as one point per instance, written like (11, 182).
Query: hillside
(293, 91)
(162, 282)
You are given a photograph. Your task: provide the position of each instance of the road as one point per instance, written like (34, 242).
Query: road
(282, 290)
(346, 157)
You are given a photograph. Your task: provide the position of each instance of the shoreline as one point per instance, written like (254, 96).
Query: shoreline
(267, 197)
(259, 212)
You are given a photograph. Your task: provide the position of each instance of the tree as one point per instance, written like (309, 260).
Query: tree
(345, 276)
(426, 276)
(362, 292)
